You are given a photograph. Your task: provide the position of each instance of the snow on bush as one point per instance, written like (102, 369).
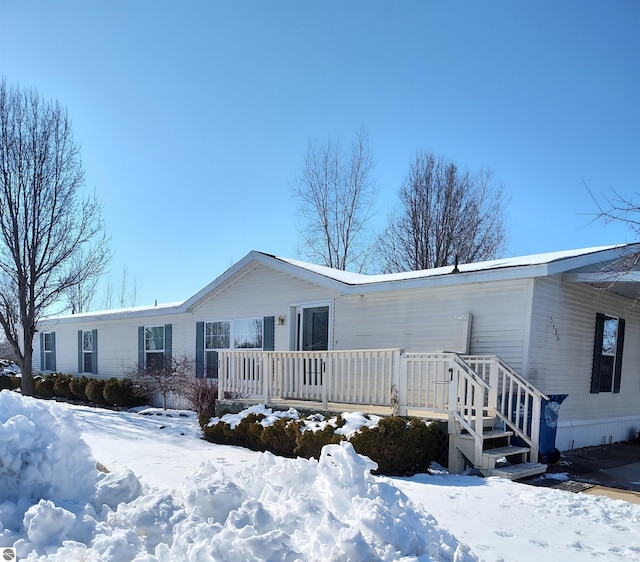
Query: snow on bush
(55, 505)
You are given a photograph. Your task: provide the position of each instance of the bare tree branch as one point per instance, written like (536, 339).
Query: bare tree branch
(52, 238)
(445, 215)
(336, 194)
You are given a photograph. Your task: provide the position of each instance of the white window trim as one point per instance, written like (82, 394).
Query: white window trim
(294, 309)
(232, 332)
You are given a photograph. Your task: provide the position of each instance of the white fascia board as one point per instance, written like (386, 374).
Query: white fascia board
(115, 314)
(236, 272)
(607, 254)
(603, 277)
(451, 279)
(219, 281)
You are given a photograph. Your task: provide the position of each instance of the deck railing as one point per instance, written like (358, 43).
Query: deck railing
(518, 403)
(348, 377)
(469, 388)
(443, 383)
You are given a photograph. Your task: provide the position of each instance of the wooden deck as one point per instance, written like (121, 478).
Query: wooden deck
(474, 394)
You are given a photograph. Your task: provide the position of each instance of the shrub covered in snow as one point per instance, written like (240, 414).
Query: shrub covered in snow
(399, 446)
(44, 386)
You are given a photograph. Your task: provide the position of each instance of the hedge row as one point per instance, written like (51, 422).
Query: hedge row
(114, 392)
(399, 446)
(9, 382)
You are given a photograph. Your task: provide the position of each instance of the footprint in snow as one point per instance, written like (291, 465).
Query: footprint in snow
(503, 534)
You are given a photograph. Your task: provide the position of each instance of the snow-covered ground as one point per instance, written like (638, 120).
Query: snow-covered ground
(169, 496)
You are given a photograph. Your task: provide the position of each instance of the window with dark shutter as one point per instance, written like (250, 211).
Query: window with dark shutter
(607, 354)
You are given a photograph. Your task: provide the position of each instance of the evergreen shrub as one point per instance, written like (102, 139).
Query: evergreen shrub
(248, 433)
(61, 386)
(78, 386)
(43, 386)
(399, 446)
(281, 438)
(113, 394)
(94, 391)
(6, 383)
(310, 443)
(219, 433)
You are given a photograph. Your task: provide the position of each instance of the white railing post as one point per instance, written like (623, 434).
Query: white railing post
(265, 371)
(492, 401)
(399, 397)
(222, 377)
(326, 379)
(454, 389)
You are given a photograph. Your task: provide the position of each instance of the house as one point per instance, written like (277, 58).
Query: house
(558, 323)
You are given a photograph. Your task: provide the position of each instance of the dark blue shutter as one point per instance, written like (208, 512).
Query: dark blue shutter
(268, 333)
(168, 342)
(597, 354)
(53, 351)
(141, 364)
(80, 353)
(199, 350)
(618, 362)
(41, 351)
(94, 352)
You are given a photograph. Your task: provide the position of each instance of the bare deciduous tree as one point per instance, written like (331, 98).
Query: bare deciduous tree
(47, 224)
(173, 376)
(336, 193)
(81, 295)
(128, 296)
(445, 215)
(127, 293)
(616, 208)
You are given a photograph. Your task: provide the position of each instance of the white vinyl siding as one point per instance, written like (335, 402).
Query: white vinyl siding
(263, 293)
(432, 319)
(562, 347)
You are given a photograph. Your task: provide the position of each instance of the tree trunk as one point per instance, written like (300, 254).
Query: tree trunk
(27, 370)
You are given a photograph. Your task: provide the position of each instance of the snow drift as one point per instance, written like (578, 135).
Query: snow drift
(55, 505)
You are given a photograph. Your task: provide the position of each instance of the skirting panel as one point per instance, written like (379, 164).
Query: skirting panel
(574, 434)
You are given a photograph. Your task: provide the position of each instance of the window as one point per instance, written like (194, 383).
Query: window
(154, 348)
(48, 342)
(607, 355)
(250, 333)
(217, 335)
(88, 351)
(247, 334)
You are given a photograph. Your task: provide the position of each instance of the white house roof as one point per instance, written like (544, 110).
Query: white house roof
(598, 266)
(522, 261)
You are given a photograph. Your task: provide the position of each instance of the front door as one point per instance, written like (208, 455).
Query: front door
(315, 329)
(313, 335)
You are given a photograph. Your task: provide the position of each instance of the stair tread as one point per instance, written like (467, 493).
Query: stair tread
(518, 471)
(491, 434)
(505, 451)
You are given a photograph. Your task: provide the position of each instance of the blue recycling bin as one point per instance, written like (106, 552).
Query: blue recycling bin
(550, 410)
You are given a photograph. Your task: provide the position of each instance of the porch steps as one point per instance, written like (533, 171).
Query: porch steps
(519, 471)
(499, 457)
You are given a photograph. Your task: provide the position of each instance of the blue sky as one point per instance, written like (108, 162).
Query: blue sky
(194, 116)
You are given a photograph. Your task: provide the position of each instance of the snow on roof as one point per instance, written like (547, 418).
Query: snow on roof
(114, 311)
(361, 279)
